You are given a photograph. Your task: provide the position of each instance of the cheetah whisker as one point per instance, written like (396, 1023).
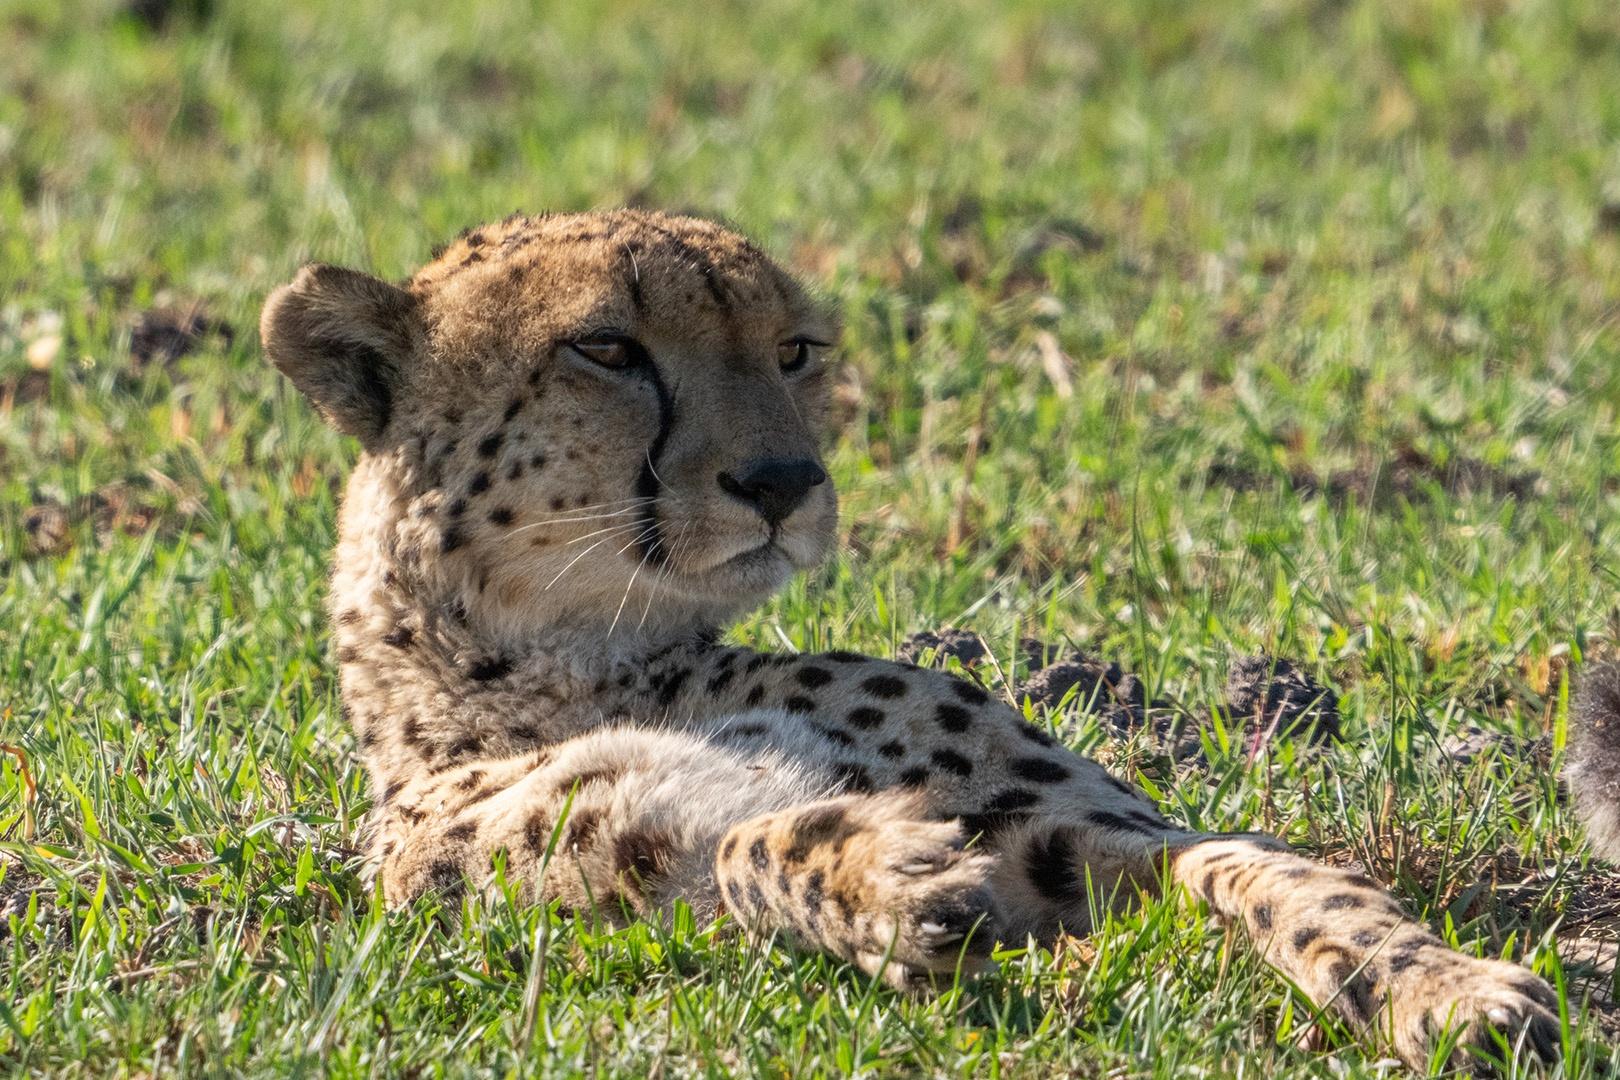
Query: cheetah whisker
(574, 516)
(576, 559)
(608, 529)
(631, 584)
(654, 470)
(662, 576)
(575, 520)
(633, 541)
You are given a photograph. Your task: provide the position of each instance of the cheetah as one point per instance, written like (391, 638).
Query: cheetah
(589, 442)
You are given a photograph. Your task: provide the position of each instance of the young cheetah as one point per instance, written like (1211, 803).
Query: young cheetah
(589, 442)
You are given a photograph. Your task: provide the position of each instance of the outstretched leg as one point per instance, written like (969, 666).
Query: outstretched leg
(868, 878)
(1068, 838)
(1346, 943)
(621, 822)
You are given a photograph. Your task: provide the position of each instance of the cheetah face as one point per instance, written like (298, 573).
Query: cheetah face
(588, 417)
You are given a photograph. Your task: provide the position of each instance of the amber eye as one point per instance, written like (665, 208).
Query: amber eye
(607, 350)
(795, 355)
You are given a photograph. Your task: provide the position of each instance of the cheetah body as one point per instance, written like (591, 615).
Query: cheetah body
(588, 443)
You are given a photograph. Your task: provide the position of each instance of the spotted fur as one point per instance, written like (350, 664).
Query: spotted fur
(1593, 768)
(589, 442)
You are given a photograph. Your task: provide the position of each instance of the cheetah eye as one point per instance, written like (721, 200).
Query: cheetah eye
(795, 355)
(613, 351)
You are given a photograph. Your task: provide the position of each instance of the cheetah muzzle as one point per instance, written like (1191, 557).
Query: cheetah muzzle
(591, 441)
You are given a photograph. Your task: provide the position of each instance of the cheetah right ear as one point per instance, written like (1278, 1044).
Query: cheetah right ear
(343, 338)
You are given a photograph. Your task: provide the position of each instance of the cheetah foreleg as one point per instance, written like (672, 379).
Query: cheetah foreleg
(1347, 944)
(868, 879)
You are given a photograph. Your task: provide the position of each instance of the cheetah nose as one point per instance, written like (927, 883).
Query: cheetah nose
(773, 486)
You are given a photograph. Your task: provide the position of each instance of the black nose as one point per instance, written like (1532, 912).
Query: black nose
(773, 486)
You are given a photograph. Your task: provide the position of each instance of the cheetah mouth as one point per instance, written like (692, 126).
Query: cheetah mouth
(761, 567)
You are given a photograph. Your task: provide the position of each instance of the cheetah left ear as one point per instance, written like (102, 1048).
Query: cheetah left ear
(343, 338)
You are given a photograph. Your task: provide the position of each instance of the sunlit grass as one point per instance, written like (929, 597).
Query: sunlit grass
(1283, 327)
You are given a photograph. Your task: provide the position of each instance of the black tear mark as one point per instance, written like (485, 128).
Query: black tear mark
(652, 533)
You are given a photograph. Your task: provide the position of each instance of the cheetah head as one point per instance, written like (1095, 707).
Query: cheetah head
(587, 419)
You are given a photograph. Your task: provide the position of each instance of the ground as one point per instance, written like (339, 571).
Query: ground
(1176, 334)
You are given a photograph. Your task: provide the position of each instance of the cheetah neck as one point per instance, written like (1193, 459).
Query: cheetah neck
(429, 675)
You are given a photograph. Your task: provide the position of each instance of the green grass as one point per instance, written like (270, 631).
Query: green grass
(1231, 297)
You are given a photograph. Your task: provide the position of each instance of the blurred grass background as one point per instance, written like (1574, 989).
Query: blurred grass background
(1175, 332)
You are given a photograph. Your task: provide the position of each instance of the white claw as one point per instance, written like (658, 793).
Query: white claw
(912, 869)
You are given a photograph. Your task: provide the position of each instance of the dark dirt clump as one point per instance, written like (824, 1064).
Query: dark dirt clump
(157, 14)
(1273, 696)
(165, 335)
(1058, 234)
(1236, 476)
(45, 529)
(1408, 475)
(968, 648)
(1100, 686)
(1469, 742)
(111, 510)
(117, 508)
(24, 388)
(1265, 698)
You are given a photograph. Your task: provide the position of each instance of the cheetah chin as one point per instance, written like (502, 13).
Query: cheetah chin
(588, 443)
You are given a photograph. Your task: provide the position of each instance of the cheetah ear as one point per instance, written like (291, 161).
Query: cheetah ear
(343, 338)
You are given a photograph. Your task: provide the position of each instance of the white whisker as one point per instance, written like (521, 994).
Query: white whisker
(637, 539)
(607, 529)
(576, 559)
(577, 515)
(663, 575)
(654, 470)
(631, 584)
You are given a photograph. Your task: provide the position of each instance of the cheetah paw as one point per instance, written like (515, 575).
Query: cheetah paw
(929, 907)
(1470, 998)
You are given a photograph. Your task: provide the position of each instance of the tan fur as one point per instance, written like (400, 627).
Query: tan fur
(536, 555)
